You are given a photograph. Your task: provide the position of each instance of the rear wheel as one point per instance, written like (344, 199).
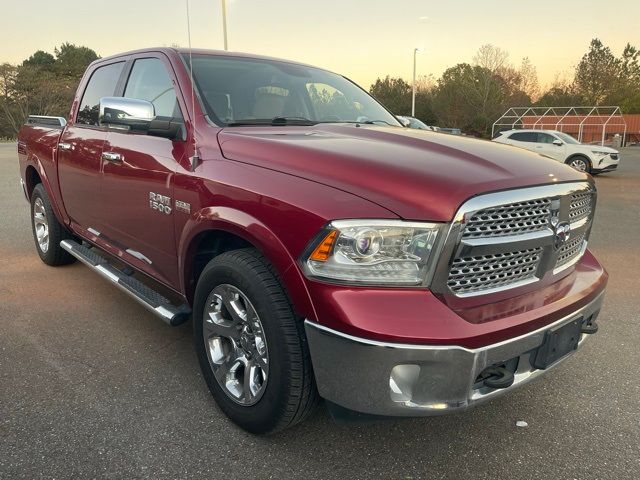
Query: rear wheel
(250, 344)
(580, 163)
(48, 232)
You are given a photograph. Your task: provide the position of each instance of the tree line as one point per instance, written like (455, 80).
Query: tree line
(43, 84)
(471, 96)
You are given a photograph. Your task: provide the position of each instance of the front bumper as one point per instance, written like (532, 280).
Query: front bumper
(608, 168)
(412, 380)
(606, 164)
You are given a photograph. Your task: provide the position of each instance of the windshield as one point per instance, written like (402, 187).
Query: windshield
(567, 138)
(237, 90)
(415, 123)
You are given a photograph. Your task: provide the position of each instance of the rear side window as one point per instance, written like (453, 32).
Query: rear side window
(102, 83)
(524, 137)
(150, 81)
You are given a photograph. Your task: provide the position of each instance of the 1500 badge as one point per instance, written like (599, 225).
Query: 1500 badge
(162, 203)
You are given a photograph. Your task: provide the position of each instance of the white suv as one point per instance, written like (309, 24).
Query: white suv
(564, 148)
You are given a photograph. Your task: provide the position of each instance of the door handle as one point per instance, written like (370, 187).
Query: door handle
(64, 146)
(112, 157)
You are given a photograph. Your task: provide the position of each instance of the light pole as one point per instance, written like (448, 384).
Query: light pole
(413, 93)
(224, 22)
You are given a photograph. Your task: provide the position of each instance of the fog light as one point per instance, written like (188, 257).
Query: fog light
(401, 382)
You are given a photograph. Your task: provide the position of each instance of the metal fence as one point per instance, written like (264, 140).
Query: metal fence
(589, 124)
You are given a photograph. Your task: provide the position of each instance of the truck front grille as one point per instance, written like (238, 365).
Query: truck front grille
(508, 239)
(472, 274)
(580, 206)
(570, 250)
(512, 219)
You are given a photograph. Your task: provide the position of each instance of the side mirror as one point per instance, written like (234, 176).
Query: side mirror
(404, 121)
(139, 116)
(558, 143)
(130, 113)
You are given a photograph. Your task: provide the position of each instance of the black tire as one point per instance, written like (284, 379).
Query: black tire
(53, 254)
(583, 160)
(290, 393)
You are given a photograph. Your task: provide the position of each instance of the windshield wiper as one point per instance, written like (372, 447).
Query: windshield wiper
(364, 122)
(275, 121)
(374, 122)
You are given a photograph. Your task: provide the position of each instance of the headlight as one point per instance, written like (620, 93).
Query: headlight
(372, 252)
(598, 152)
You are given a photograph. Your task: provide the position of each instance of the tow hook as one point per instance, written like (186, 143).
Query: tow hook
(498, 377)
(589, 328)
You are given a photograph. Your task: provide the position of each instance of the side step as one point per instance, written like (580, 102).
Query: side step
(147, 297)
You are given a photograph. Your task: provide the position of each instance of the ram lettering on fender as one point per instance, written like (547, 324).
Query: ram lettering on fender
(162, 203)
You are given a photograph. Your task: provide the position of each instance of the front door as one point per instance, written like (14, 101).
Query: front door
(547, 147)
(137, 178)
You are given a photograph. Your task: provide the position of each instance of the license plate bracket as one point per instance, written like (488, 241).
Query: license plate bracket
(558, 342)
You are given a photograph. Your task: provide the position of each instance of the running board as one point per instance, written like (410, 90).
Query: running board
(146, 296)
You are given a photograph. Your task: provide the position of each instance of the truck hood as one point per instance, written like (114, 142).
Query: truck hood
(415, 174)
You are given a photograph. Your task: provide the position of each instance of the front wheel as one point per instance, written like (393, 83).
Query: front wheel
(580, 163)
(250, 344)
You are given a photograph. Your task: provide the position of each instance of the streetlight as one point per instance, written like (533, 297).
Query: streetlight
(413, 96)
(224, 22)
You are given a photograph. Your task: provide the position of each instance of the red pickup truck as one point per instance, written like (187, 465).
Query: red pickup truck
(321, 249)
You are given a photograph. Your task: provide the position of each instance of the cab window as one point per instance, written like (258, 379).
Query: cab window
(102, 83)
(150, 81)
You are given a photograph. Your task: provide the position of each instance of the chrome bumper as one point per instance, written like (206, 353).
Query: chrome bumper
(411, 380)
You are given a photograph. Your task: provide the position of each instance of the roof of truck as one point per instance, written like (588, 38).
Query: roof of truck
(201, 51)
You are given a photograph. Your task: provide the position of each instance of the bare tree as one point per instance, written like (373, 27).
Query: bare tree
(492, 58)
(529, 79)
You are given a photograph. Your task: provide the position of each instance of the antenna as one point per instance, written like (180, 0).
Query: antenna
(224, 23)
(194, 160)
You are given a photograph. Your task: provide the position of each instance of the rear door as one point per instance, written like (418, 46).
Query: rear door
(526, 140)
(137, 189)
(80, 149)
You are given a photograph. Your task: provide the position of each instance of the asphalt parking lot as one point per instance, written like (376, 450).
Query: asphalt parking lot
(91, 385)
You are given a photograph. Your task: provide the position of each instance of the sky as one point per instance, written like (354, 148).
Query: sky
(362, 39)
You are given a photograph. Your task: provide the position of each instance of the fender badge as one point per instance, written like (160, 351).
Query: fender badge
(183, 206)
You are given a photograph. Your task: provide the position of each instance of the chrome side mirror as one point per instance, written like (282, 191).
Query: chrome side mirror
(139, 116)
(405, 122)
(126, 112)
(557, 143)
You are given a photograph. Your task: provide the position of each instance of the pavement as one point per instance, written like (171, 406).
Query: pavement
(92, 385)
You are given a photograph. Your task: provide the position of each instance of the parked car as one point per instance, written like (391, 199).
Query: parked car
(450, 131)
(563, 147)
(320, 249)
(412, 122)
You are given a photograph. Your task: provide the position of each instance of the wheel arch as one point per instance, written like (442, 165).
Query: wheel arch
(220, 229)
(31, 179)
(35, 173)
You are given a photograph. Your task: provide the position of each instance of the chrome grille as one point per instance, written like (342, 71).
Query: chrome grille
(484, 272)
(506, 239)
(512, 219)
(569, 251)
(580, 206)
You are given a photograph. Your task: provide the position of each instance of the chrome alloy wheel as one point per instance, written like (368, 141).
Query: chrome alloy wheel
(236, 345)
(40, 225)
(579, 164)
